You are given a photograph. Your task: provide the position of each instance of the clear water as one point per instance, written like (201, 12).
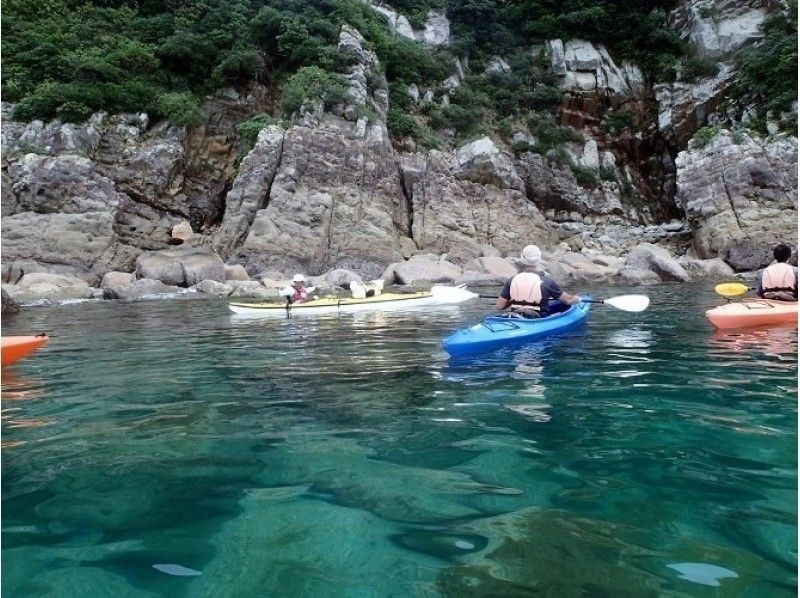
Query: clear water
(171, 449)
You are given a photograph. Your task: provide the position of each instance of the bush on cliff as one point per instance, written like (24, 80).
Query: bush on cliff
(310, 84)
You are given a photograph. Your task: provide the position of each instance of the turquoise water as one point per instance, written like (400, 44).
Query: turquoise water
(171, 449)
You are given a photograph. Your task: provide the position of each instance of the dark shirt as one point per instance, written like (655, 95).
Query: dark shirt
(550, 290)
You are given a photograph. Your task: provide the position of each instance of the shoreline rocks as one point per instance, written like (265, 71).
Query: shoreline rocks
(646, 264)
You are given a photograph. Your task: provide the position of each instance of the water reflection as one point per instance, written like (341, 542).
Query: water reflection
(775, 341)
(17, 390)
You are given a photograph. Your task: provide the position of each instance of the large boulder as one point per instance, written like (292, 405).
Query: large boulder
(482, 162)
(713, 269)
(636, 276)
(341, 277)
(9, 305)
(182, 267)
(747, 254)
(251, 289)
(51, 287)
(214, 288)
(658, 260)
(426, 268)
(146, 288)
(115, 284)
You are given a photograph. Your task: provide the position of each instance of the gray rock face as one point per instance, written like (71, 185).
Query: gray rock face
(656, 259)
(251, 289)
(183, 267)
(458, 217)
(250, 190)
(357, 74)
(236, 272)
(426, 268)
(9, 306)
(555, 188)
(50, 138)
(685, 107)
(335, 202)
(739, 195)
(582, 66)
(436, 32)
(717, 28)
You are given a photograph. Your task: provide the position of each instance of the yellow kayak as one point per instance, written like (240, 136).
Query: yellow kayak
(438, 295)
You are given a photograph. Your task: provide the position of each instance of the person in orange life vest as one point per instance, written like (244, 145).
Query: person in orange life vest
(297, 292)
(528, 293)
(779, 280)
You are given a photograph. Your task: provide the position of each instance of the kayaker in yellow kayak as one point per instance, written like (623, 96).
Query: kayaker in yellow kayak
(528, 293)
(779, 280)
(297, 292)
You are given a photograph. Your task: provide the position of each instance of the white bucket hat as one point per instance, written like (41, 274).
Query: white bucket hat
(299, 278)
(531, 256)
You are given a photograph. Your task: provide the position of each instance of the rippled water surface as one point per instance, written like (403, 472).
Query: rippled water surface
(171, 449)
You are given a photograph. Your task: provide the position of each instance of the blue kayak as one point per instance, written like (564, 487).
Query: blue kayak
(496, 331)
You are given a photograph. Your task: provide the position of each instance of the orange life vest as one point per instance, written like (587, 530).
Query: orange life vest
(779, 281)
(526, 291)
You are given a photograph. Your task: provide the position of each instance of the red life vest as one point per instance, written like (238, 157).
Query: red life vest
(778, 282)
(299, 295)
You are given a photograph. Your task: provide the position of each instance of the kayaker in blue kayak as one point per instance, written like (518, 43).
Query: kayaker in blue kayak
(528, 293)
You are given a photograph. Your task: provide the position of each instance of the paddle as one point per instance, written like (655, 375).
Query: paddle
(732, 289)
(632, 303)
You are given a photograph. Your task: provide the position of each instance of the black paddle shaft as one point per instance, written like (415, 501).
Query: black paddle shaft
(582, 300)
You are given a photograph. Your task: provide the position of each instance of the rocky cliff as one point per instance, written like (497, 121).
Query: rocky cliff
(330, 190)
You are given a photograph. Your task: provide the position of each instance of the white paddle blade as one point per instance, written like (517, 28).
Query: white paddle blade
(634, 303)
(446, 294)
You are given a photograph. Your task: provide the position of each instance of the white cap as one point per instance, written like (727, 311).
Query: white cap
(299, 278)
(530, 256)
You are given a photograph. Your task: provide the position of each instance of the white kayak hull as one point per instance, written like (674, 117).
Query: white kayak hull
(439, 295)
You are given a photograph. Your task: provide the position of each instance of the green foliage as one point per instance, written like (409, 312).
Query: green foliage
(545, 97)
(310, 84)
(710, 11)
(586, 177)
(704, 135)
(249, 129)
(698, 67)
(240, 65)
(400, 124)
(636, 30)
(548, 134)
(608, 173)
(617, 121)
(768, 71)
(181, 109)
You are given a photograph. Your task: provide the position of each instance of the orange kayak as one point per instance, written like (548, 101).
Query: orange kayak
(17, 347)
(753, 312)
